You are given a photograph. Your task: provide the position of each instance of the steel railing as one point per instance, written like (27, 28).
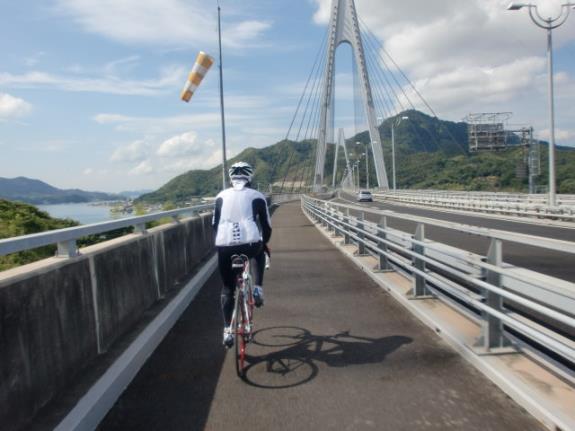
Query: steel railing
(515, 204)
(66, 239)
(508, 302)
(562, 199)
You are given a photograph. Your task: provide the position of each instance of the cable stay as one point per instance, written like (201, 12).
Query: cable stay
(380, 68)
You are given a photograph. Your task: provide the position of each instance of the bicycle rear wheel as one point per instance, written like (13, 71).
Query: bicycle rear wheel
(240, 335)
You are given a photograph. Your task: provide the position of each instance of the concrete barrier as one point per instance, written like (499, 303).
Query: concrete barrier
(58, 315)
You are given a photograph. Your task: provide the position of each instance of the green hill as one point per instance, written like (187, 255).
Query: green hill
(430, 153)
(22, 219)
(38, 192)
(17, 219)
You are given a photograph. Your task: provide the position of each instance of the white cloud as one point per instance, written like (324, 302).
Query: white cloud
(34, 59)
(468, 87)
(133, 152)
(55, 145)
(112, 67)
(208, 157)
(170, 78)
(177, 146)
(88, 171)
(163, 22)
(143, 168)
(162, 125)
(472, 56)
(13, 107)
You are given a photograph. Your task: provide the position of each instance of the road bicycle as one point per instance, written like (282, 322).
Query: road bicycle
(242, 317)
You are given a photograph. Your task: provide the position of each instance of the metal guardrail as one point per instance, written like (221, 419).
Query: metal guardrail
(66, 238)
(562, 199)
(522, 205)
(481, 287)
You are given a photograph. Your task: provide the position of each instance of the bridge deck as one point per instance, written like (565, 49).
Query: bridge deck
(333, 351)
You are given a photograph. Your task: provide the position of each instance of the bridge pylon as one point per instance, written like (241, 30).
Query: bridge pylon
(344, 28)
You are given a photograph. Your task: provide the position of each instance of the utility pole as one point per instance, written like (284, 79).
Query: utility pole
(224, 163)
(367, 166)
(394, 123)
(548, 24)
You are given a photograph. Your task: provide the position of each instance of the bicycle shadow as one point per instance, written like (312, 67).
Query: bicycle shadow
(296, 352)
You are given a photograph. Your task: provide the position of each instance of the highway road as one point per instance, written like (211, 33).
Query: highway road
(332, 351)
(556, 264)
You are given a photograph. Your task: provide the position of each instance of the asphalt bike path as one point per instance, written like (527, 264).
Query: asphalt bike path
(332, 351)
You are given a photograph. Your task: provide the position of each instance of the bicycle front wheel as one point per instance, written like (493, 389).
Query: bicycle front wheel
(240, 335)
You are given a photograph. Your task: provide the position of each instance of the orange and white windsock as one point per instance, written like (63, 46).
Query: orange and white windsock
(201, 67)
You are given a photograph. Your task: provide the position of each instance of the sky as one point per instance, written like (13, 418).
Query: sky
(89, 89)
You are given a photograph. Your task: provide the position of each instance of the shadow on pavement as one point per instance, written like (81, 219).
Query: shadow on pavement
(290, 355)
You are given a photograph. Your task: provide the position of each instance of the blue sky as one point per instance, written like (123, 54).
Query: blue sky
(89, 90)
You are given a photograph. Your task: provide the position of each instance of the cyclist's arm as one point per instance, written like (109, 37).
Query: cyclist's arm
(217, 214)
(260, 208)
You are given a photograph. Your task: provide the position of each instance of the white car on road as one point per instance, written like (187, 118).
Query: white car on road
(364, 196)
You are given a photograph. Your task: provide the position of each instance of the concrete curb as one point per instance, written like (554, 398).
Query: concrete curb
(96, 403)
(506, 379)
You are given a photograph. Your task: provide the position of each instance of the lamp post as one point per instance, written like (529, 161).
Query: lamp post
(366, 163)
(393, 125)
(224, 162)
(367, 166)
(356, 172)
(548, 24)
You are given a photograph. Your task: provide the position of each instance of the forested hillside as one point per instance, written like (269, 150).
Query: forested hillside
(430, 153)
(22, 219)
(38, 192)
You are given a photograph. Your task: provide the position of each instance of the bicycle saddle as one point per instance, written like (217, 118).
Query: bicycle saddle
(238, 262)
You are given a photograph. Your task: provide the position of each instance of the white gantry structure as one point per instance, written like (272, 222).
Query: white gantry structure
(344, 28)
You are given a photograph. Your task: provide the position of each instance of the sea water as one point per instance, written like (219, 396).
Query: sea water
(84, 213)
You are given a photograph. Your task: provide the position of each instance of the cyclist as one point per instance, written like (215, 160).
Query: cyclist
(238, 212)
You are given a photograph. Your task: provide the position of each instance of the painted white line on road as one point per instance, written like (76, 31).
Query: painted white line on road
(100, 398)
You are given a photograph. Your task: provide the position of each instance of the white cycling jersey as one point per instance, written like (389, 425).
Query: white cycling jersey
(235, 219)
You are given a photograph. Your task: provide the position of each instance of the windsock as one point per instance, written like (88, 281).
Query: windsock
(201, 67)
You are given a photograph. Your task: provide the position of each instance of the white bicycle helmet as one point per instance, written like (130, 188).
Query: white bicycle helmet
(241, 171)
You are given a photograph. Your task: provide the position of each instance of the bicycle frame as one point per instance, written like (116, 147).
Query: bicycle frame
(242, 317)
(244, 294)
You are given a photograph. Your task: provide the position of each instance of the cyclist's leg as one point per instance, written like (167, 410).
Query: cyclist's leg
(259, 267)
(258, 261)
(229, 283)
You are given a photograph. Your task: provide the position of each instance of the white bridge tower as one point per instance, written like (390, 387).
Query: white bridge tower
(344, 28)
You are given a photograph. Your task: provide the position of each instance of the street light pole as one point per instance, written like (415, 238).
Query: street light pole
(224, 162)
(550, 92)
(393, 153)
(366, 163)
(548, 24)
(393, 124)
(367, 166)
